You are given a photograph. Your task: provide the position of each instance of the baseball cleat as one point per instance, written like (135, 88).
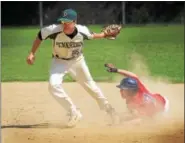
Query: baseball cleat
(75, 117)
(115, 119)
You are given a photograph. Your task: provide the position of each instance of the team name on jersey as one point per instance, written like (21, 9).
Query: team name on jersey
(69, 44)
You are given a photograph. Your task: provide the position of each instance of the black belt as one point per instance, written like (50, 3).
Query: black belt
(56, 56)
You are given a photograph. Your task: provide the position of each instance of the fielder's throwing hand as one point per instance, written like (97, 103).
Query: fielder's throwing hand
(68, 40)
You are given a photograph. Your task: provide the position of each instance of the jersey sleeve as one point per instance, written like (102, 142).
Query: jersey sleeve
(48, 31)
(141, 85)
(85, 32)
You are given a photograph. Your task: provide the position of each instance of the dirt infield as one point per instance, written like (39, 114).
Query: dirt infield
(31, 115)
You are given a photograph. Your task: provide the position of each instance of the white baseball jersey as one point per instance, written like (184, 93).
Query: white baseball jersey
(63, 45)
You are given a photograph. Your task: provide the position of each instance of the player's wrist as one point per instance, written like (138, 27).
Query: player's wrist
(32, 53)
(114, 70)
(98, 35)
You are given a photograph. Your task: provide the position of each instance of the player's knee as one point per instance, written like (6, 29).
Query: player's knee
(92, 85)
(56, 90)
(55, 80)
(52, 87)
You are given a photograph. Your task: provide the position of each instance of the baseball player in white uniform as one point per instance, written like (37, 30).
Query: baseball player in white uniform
(68, 38)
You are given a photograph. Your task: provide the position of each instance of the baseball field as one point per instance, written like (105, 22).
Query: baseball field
(31, 115)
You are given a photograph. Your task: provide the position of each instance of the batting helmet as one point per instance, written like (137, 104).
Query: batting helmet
(128, 83)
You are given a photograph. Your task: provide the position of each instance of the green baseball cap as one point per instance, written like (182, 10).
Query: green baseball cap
(68, 16)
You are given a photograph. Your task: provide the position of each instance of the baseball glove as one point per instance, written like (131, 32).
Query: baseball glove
(110, 67)
(111, 31)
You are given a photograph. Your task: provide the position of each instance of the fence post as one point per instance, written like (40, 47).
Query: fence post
(123, 13)
(40, 13)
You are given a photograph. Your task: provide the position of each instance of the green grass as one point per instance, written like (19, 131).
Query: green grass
(161, 46)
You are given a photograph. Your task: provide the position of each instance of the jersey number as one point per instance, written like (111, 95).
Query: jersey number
(148, 98)
(75, 53)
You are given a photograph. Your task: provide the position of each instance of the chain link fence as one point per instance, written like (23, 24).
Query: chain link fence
(112, 12)
(95, 12)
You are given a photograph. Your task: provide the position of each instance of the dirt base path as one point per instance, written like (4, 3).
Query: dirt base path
(31, 115)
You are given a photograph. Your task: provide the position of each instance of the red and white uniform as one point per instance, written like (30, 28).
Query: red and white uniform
(147, 103)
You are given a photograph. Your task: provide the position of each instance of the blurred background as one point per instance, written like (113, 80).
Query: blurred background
(154, 30)
(44, 13)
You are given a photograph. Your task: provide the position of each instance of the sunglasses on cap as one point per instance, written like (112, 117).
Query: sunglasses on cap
(67, 22)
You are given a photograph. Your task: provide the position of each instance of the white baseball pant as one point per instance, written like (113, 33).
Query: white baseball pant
(166, 107)
(79, 72)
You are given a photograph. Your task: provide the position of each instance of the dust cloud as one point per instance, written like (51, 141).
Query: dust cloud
(175, 115)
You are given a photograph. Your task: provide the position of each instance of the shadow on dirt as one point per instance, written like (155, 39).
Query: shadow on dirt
(41, 125)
